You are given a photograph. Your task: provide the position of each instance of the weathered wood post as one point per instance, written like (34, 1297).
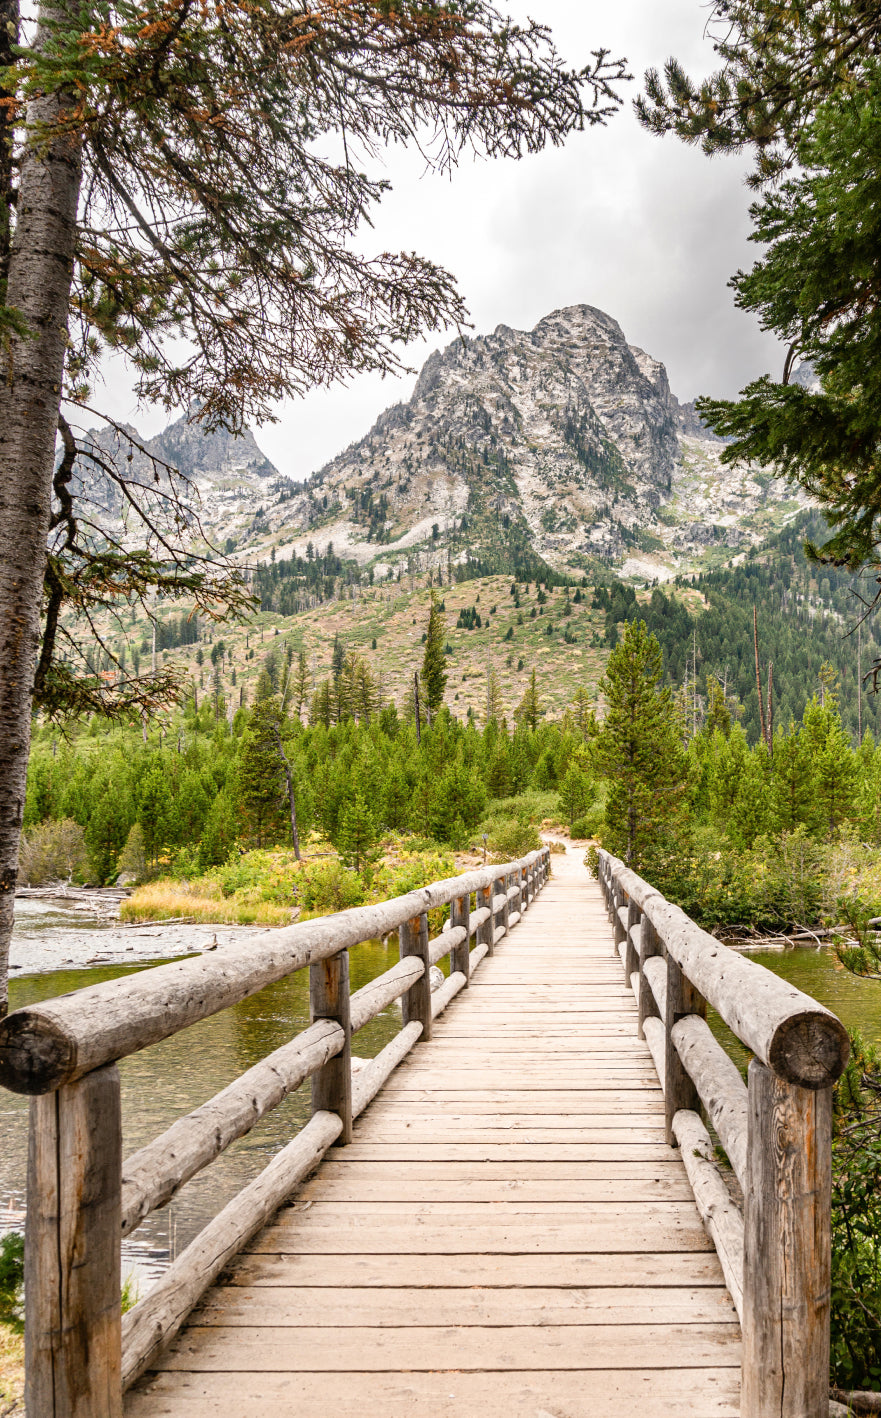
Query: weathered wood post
(329, 999)
(787, 1249)
(460, 955)
(416, 1003)
(617, 925)
(486, 932)
(679, 1089)
(506, 904)
(524, 890)
(648, 945)
(73, 1345)
(631, 955)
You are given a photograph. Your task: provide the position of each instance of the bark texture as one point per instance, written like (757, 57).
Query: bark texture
(40, 270)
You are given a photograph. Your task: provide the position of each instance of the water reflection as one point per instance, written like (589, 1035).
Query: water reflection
(171, 1078)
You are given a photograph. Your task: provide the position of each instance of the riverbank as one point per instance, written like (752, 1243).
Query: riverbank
(54, 932)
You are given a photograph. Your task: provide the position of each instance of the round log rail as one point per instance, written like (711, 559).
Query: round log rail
(799, 1040)
(151, 1176)
(45, 1046)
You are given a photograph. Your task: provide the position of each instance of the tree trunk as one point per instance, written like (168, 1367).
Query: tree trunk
(40, 270)
(291, 795)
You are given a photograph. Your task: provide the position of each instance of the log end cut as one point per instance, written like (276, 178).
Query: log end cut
(35, 1055)
(810, 1049)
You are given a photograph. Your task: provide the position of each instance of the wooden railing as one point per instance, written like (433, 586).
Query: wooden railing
(776, 1131)
(82, 1198)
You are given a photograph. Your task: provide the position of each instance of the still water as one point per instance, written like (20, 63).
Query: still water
(162, 1083)
(173, 1077)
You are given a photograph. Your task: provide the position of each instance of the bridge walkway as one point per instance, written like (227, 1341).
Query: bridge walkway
(507, 1235)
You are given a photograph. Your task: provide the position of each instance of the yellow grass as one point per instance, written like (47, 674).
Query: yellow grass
(11, 1371)
(165, 900)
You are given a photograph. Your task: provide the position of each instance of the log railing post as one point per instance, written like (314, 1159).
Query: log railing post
(486, 932)
(631, 955)
(617, 927)
(524, 890)
(416, 1003)
(648, 945)
(460, 955)
(787, 1249)
(329, 999)
(73, 1345)
(679, 1089)
(506, 906)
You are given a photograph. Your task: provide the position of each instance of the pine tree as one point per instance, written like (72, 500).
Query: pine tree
(493, 694)
(357, 834)
(529, 709)
(301, 682)
(434, 662)
(639, 749)
(583, 716)
(262, 783)
(792, 789)
(802, 85)
(577, 789)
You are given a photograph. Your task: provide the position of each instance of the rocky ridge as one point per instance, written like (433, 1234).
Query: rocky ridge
(565, 440)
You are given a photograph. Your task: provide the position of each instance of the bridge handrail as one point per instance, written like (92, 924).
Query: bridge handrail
(776, 1130)
(82, 1197)
(792, 1033)
(44, 1046)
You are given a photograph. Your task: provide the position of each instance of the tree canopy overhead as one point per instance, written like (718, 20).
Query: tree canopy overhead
(798, 84)
(779, 61)
(180, 184)
(222, 149)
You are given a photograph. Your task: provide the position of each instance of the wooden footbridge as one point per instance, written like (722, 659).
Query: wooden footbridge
(529, 1220)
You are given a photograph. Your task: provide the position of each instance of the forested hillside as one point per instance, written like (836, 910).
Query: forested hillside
(807, 616)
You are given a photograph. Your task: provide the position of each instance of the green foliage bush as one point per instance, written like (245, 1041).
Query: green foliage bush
(12, 1281)
(328, 886)
(514, 837)
(53, 851)
(589, 825)
(856, 1223)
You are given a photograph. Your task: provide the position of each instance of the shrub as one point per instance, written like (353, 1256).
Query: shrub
(133, 858)
(856, 1223)
(53, 851)
(12, 1281)
(327, 886)
(513, 838)
(590, 825)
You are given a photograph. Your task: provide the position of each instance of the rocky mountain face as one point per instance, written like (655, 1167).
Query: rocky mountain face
(564, 440)
(225, 477)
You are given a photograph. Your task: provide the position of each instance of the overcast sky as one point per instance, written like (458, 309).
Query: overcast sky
(644, 228)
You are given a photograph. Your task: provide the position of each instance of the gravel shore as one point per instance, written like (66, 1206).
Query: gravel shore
(51, 934)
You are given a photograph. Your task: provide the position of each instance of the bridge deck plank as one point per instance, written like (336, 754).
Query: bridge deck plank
(508, 1233)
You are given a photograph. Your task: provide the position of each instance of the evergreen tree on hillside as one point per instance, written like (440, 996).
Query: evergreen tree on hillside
(583, 716)
(639, 749)
(434, 665)
(529, 708)
(300, 684)
(357, 834)
(262, 781)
